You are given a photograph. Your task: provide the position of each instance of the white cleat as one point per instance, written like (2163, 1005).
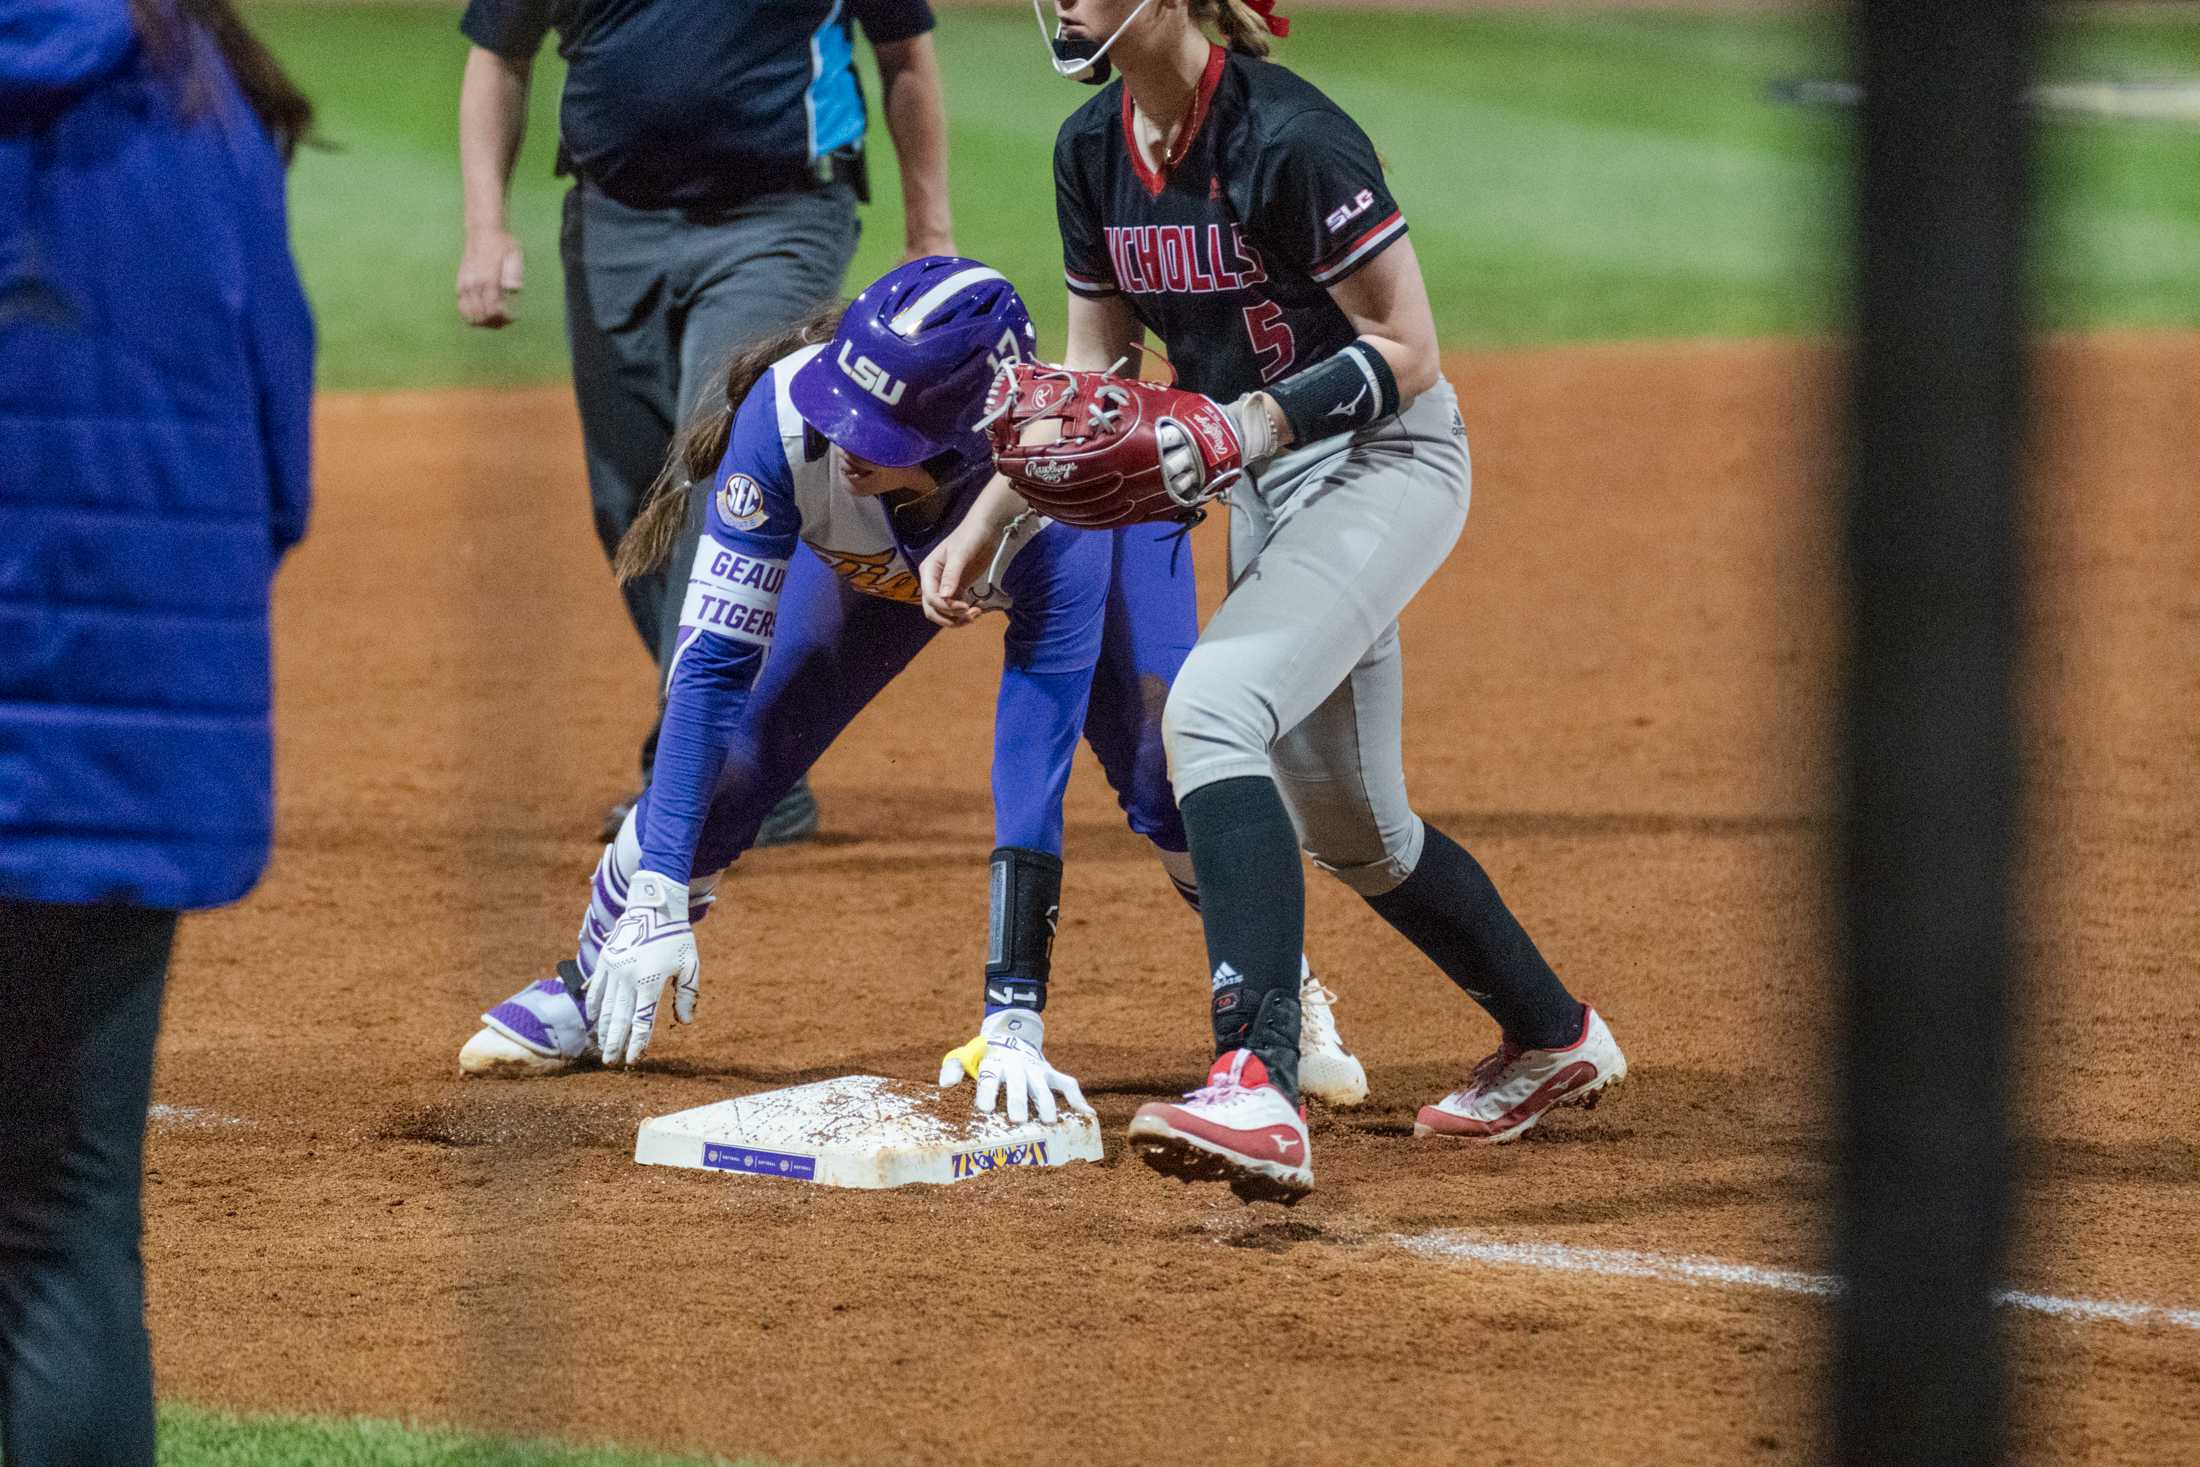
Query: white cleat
(1237, 1128)
(539, 1030)
(1512, 1089)
(1328, 1071)
(491, 1052)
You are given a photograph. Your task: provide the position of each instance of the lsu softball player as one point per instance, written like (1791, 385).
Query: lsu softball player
(1223, 203)
(838, 463)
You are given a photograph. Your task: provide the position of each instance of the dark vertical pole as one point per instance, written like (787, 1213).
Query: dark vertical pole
(1930, 779)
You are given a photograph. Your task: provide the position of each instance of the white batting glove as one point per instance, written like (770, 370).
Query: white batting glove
(1009, 1056)
(1184, 471)
(650, 946)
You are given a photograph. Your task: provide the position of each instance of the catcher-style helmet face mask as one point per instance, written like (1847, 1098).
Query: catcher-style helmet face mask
(904, 378)
(1079, 57)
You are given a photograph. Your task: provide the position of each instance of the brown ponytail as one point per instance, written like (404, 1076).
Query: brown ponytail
(163, 28)
(702, 442)
(1235, 24)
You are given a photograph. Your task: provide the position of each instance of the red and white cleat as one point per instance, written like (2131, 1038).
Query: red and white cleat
(1511, 1090)
(1237, 1128)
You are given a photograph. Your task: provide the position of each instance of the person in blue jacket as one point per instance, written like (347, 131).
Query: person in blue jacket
(155, 378)
(850, 447)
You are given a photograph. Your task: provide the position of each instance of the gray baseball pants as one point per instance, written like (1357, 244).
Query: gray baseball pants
(1298, 677)
(656, 300)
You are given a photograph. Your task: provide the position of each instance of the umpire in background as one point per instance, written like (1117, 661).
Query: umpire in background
(156, 373)
(716, 151)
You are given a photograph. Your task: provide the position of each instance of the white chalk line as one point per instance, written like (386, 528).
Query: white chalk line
(1695, 1272)
(190, 1117)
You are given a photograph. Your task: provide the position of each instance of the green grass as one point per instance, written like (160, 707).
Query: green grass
(2120, 233)
(193, 1437)
(1567, 178)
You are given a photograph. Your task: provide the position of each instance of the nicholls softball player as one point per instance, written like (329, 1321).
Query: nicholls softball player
(839, 463)
(1225, 204)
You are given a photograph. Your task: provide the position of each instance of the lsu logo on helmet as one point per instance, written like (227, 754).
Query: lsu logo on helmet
(872, 377)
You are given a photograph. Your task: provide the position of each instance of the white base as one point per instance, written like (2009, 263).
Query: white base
(860, 1131)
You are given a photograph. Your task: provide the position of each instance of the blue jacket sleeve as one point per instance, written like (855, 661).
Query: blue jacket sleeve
(52, 48)
(726, 630)
(1058, 586)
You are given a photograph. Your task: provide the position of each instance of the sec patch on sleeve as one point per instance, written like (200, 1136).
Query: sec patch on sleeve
(741, 502)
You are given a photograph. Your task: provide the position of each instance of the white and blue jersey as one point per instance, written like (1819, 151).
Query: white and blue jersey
(775, 488)
(803, 603)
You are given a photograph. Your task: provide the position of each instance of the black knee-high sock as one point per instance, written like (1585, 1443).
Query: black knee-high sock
(1450, 910)
(1252, 902)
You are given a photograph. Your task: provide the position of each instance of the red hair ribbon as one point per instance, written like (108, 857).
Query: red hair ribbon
(1278, 25)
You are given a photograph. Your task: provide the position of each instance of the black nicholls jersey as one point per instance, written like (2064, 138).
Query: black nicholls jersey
(1270, 196)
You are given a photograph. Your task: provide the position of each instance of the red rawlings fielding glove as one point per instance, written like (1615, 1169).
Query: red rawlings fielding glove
(1129, 451)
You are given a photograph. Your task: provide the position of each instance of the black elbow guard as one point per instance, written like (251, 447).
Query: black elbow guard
(1340, 394)
(1025, 901)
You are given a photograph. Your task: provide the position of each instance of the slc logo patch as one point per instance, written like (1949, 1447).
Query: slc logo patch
(741, 502)
(968, 1164)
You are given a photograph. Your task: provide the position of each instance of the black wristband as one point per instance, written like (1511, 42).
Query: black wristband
(1024, 903)
(1340, 394)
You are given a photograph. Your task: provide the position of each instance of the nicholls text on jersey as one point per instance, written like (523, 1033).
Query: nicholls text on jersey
(1183, 259)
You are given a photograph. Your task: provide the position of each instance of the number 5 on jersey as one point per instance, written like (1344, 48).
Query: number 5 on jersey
(1273, 344)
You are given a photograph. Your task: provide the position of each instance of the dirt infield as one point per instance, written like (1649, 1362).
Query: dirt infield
(1614, 692)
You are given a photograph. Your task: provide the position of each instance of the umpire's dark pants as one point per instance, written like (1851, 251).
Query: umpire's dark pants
(80, 991)
(656, 300)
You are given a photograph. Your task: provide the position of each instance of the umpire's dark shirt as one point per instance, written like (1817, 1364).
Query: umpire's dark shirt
(696, 102)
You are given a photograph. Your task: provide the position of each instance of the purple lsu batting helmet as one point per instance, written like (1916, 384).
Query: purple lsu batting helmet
(906, 374)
